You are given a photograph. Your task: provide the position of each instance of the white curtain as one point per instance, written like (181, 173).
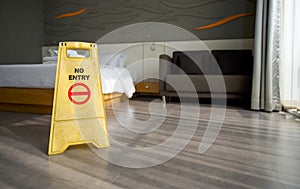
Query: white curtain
(265, 86)
(290, 53)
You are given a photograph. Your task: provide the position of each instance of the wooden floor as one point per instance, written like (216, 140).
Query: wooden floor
(253, 150)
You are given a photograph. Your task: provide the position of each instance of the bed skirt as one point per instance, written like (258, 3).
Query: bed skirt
(33, 100)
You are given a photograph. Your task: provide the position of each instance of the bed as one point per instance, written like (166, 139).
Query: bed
(30, 87)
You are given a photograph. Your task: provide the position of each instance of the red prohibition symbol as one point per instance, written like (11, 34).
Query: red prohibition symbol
(86, 93)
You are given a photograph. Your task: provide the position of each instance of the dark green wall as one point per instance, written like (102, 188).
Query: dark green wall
(103, 16)
(21, 31)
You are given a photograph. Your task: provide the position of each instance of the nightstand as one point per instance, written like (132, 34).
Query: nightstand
(148, 86)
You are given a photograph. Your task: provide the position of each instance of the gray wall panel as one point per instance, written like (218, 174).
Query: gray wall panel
(103, 16)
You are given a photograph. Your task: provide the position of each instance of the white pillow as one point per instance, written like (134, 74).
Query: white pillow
(112, 59)
(52, 52)
(51, 57)
(74, 53)
(50, 60)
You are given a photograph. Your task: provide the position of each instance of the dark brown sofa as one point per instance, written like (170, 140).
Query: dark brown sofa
(215, 74)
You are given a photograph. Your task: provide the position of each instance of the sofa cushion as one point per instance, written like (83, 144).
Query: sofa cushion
(182, 83)
(234, 62)
(195, 62)
(233, 83)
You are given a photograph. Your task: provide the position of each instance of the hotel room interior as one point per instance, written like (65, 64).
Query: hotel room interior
(197, 93)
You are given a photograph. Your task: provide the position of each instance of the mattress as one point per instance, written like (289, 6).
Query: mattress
(114, 79)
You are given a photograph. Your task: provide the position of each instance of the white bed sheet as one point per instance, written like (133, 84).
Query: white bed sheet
(116, 79)
(28, 75)
(43, 76)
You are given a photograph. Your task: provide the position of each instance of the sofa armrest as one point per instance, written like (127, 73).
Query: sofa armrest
(165, 68)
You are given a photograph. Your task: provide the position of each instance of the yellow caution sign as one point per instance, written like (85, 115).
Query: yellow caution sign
(78, 114)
